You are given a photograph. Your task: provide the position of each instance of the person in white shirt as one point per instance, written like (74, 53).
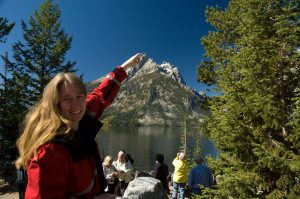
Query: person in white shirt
(110, 173)
(124, 172)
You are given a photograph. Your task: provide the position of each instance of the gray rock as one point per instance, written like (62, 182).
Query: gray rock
(144, 188)
(129, 197)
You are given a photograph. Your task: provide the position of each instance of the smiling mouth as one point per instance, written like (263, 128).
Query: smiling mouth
(76, 112)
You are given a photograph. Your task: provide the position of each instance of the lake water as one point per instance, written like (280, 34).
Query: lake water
(142, 143)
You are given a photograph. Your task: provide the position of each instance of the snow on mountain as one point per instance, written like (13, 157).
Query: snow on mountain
(148, 66)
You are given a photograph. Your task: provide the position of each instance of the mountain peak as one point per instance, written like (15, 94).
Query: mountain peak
(154, 94)
(148, 66)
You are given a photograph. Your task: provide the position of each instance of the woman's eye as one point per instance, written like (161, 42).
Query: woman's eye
(80, 97)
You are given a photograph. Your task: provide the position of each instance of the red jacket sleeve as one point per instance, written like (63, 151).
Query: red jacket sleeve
(105, 93)
(47, 175)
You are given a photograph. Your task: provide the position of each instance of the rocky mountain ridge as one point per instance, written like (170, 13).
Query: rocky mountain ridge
(147, 66)
(154, 95)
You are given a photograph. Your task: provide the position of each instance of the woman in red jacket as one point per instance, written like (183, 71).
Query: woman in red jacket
(57, 146)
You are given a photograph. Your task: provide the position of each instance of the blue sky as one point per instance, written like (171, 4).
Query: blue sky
(107, 32)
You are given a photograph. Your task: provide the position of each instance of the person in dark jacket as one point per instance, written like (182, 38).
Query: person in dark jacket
(200, 175)
(58, 147)
(129, 158)
(161, 172)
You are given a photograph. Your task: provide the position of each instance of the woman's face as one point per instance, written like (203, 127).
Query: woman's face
(72, 102)
(121, 157)
(110, 162)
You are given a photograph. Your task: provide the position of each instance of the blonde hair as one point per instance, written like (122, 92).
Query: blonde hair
(107, 160)
(44, 121)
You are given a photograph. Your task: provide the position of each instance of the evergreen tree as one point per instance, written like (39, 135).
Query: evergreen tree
(12, 110)
(253, 59)
(5, 29)
(35, 62)
(43, 54)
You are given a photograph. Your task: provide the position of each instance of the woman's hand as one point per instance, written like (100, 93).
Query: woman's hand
(133, 61)
(152, 173)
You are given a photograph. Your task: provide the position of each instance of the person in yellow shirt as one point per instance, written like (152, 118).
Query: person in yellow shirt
(180, 176)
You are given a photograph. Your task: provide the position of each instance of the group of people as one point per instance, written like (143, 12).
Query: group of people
(198, 176)
(117, 173)
(57, 147)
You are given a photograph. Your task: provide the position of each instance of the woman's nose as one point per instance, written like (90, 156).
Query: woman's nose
(74, 101)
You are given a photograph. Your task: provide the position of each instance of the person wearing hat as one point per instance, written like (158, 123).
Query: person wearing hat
(200, 175)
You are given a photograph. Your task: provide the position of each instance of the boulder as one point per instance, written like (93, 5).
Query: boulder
(144, 188)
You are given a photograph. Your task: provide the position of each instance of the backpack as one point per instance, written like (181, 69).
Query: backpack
(21, 182)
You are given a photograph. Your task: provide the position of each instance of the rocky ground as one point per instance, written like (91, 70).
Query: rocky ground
(8, 191)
